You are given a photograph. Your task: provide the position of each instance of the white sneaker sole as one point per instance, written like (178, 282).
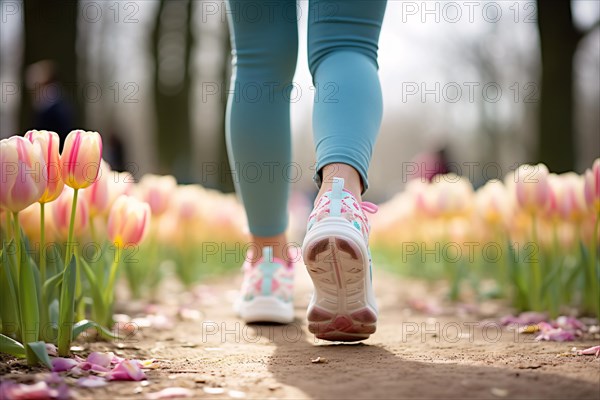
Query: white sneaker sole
(266, 309)
(337, 259)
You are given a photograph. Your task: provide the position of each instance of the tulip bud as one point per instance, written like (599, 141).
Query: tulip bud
(531, 186)
(49, 143)
(96, 194)
(157, 191)
(592, 186)
(128, 221)
(80, 159)
(21, 176)
(453, 195)
(491, 201)
(61, 212)
(566, 198)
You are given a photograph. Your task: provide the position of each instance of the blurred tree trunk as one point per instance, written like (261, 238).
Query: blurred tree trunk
(50, 31)
(172, 85)
(558, 42)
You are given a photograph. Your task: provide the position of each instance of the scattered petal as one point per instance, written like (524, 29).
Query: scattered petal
(171, 393)
(91, 382)
(54, 379)
(570, 323)
(101, 359)
(556, 335)
(213, 390)
(525, 318)
(126, 370)
(319, 360)
(51, 349)
(595, 350)
(37, 391)
(236, 394)
(87, 366)
(60, 364)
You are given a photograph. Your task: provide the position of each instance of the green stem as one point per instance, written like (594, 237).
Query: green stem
(17, 235)
(110, 287)
(44, 323)
(9, 230)
(556, 299)
(31, 357)
(593, 273)
(69, 249)
(42, 245)
(536, 271)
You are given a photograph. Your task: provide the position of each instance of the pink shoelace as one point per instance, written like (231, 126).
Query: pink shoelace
(368, 207)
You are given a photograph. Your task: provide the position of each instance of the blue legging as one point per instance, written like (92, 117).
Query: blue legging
(342, 55)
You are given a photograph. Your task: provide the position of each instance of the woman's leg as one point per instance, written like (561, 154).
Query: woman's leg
(342, 53)
(265, 45)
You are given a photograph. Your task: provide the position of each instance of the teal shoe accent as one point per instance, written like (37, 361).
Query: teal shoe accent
(267, 268)
(336, 196)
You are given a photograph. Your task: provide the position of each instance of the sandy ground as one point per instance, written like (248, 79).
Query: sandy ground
(411, 355)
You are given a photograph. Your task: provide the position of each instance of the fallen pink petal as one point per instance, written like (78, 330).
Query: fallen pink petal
(101, 359)
(594, 350)
(60, 364)
(87, 366)
(126, 370)
(51, 349)
(525, 318)
(91, 382)
(38, 391)
(556, 335)
(171, 393)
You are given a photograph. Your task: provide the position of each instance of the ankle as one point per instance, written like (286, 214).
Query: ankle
(352, 180)
(277, 243)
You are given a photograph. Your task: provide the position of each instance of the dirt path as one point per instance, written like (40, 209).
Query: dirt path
(410, 356)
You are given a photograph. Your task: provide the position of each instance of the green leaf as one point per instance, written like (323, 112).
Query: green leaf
(53, 311)
(39, 349)
(49, 287)
(66, 312)
(54, 261)
(9, 304)
(85, 324)
(11, 346)
(99, 305)
(28, 302)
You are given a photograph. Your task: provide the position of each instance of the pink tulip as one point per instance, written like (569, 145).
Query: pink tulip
(157, 191)
(21, 174)
(453, 195)
(128, 221)
(592, 186)
(49, 142)
(119, 183)
(531, 186)
(491, 201)
(566, 199)
(96, 194)
(80, 159)
(61, 212)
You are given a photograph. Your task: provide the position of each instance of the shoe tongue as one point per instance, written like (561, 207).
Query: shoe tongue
(267, 254)
(336, 195)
